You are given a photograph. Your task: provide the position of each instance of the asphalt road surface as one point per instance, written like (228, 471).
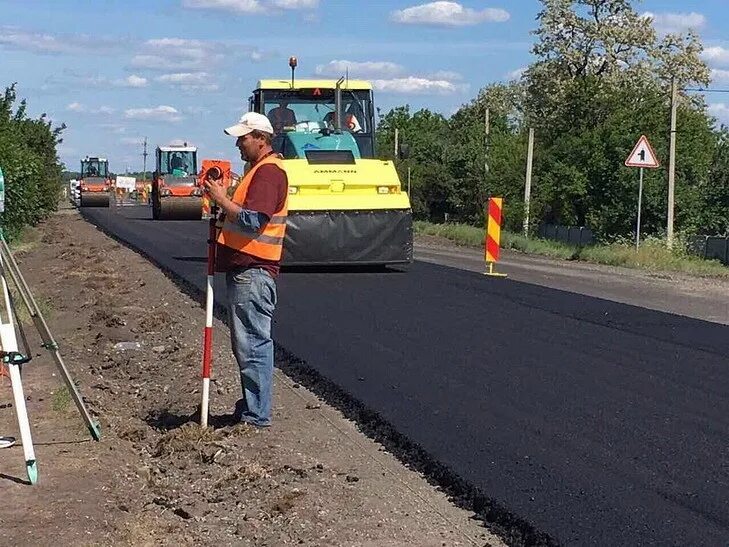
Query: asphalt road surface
(598, 422)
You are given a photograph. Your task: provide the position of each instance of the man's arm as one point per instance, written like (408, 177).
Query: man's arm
(250, 221)
(261, 201)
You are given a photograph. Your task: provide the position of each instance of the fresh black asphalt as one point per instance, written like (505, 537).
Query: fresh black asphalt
(597, 422)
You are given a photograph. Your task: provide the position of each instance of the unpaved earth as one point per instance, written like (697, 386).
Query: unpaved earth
(155, 478)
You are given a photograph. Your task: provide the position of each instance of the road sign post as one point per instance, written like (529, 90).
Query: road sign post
(640, 206)
(643, 157)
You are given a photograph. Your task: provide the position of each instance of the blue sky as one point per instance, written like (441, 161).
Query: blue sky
(116, 71)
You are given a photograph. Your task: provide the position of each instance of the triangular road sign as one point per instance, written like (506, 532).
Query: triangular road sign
(642, 155)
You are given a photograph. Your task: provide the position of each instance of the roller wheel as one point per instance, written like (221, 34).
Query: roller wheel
(94, 199)
(180, 208)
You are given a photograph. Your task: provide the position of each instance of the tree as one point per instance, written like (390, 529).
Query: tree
(469, 153)
(600, 78)
(30, 164)
(427, 135)
(606, 41)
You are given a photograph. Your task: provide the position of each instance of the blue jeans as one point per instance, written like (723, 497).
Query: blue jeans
(251, 301)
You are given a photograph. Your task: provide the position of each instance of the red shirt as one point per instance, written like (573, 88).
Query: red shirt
(266, 194)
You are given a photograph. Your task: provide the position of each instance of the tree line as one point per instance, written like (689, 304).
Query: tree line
(30, 163)
(601, 77)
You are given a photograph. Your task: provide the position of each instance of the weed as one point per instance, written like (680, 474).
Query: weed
(653, 254)
(61, 399)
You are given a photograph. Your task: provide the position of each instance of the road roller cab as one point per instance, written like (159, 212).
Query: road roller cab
(176, 194)
(346, 207)
(94, 183)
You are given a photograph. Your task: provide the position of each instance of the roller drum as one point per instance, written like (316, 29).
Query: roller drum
(94, 199)
(180, 208)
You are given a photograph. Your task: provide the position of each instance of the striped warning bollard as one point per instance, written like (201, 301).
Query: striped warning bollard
(493, 235)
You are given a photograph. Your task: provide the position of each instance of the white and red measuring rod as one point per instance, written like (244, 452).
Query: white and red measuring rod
(207, 361)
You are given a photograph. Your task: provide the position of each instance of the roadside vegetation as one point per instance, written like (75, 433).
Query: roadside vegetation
(589, 94)
(30, 164)
(653, 254)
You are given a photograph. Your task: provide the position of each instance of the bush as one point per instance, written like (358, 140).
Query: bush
(30, 164)
(653, 254)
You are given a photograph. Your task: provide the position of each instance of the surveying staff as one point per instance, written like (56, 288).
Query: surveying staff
(249, 251)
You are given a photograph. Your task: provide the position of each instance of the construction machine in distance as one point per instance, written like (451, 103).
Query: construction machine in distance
(95, 182)
(176, 194)
(346, 207)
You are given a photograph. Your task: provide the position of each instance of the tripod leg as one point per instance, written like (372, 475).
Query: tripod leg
(10, 344)
(21, 412)
(48, 342)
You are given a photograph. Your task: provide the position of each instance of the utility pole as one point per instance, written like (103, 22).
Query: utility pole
(487, 134)
(528, 185)
(672, 163)
(144, 154)
(397, 137)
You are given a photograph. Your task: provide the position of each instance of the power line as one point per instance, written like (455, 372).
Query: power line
(705, 90)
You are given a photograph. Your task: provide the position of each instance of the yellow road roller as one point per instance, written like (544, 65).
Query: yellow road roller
(346, 207)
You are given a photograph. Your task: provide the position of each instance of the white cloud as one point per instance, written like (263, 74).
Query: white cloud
(444, 75)
(184, 78)
(416, 86)
(516, 74)
(236, 6)
(667, 23)
(44, 43)
(183, 55)
(162, 113)
(716, 55)
(365, 69)
(132, 81)
(719, 76)
(295, 4)
(189, 81)
(33, 41)
(177, 54)
(720, 111)
(83, 109)
(250, 6)
(102, 81)
(448, 14)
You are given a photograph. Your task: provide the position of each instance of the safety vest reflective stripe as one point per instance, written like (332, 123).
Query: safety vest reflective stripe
(261, 238)
(269, 243)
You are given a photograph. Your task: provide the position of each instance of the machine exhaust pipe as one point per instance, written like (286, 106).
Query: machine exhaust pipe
(338, 105)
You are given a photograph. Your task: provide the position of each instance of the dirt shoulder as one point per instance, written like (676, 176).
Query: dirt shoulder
(132, 339)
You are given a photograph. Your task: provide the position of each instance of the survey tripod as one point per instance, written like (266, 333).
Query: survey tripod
(15, 359)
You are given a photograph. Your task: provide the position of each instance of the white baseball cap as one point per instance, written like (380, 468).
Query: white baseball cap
(249, 122)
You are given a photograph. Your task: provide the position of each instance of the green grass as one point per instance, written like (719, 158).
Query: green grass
(21, 312)
(653, 254)
(26, 240)
(61, 399)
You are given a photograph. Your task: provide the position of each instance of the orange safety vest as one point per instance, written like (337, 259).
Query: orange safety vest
(269, 243)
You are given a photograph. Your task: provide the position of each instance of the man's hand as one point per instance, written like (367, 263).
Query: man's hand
(216, 190)
(218, 193)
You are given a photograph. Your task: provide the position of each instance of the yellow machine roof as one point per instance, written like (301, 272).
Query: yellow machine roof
(309, 84)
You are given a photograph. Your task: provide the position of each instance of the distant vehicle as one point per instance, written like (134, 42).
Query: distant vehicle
(74, 193)
(95, 182)
(176, 194)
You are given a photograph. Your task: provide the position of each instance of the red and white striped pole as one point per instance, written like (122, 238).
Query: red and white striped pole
(207, 361)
